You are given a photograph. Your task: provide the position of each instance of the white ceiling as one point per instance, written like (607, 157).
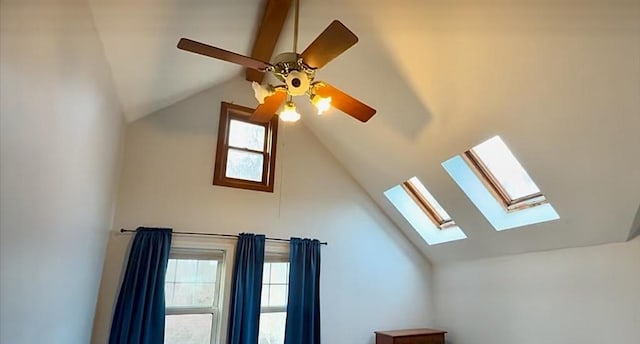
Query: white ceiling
(140, 38)
(558, 80)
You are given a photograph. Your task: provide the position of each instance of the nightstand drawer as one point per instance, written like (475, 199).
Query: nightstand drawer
(417, 336)
(432, 339)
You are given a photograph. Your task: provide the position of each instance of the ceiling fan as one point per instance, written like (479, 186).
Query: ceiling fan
(296, 71)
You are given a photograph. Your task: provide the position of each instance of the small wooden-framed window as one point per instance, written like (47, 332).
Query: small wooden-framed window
(503, 175)
(246, 152)
(434, 211)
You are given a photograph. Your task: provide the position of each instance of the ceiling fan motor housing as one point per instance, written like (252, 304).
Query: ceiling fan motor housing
(289, 68)
(297, 83)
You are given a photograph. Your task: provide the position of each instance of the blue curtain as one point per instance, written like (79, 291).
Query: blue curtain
(139, 313)
(246, 290)
(303, 308)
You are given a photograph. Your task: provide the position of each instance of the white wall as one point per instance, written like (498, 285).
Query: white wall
(372, 277)
(578, 295)
(635, 227)
(60, 133)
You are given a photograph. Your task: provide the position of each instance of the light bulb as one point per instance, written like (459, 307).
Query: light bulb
(289, 114)
(322, 104)
(261, 92)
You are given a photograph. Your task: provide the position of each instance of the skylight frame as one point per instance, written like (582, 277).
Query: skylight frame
(441, 221)
(417, 218)
(479, 194)
(496, 188)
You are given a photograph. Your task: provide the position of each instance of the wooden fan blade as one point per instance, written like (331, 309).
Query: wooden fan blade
(346, 103)
(265, 111)
(275, 14)
(333, 41)
(221, 54)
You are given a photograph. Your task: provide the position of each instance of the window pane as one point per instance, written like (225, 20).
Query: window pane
(191, 295)
(246, 135)
(203, 294)
(193, 285)
(264, 301)
(277, 295)
(168, 292)
(171, 270)
(207, 271)
(188, 329)
(275, 279)
(272, 328)
(497, 157)
(244, 165)
(429, 197)
(186, 270)
(279, 273)
(266, 273)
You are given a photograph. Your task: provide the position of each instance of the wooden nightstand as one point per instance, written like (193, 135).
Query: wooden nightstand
(417, 336)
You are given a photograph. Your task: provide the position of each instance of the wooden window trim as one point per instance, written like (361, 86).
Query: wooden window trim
(426, 207)
(228, 112)
(495, 187)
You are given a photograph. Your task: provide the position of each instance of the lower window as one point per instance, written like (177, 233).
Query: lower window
(273, 310)
(192, 288)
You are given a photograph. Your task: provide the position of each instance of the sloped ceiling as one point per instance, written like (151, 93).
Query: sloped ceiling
(140, 38)
(558, 80)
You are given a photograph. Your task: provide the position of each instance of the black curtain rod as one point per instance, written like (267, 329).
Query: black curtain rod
(122, 230)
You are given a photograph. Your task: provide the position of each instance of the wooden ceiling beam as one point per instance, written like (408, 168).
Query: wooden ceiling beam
(275, 14)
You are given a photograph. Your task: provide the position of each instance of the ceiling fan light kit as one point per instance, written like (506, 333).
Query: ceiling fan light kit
(261, 92)
(289, 114)
(297, 72)
(321, 103)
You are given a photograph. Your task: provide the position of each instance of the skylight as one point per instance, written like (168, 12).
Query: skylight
(498, 185)
(425, 199)
(504, 174)
(423, 212)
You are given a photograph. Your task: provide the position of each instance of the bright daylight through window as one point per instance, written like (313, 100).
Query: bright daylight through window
(192, 288)
(273, 311)
(424, 213)
(428, 203)
(497, 184)
(245, 156)
(246, 145)
(504, 175)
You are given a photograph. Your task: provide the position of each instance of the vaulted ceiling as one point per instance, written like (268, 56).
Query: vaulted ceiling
(558, 80)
